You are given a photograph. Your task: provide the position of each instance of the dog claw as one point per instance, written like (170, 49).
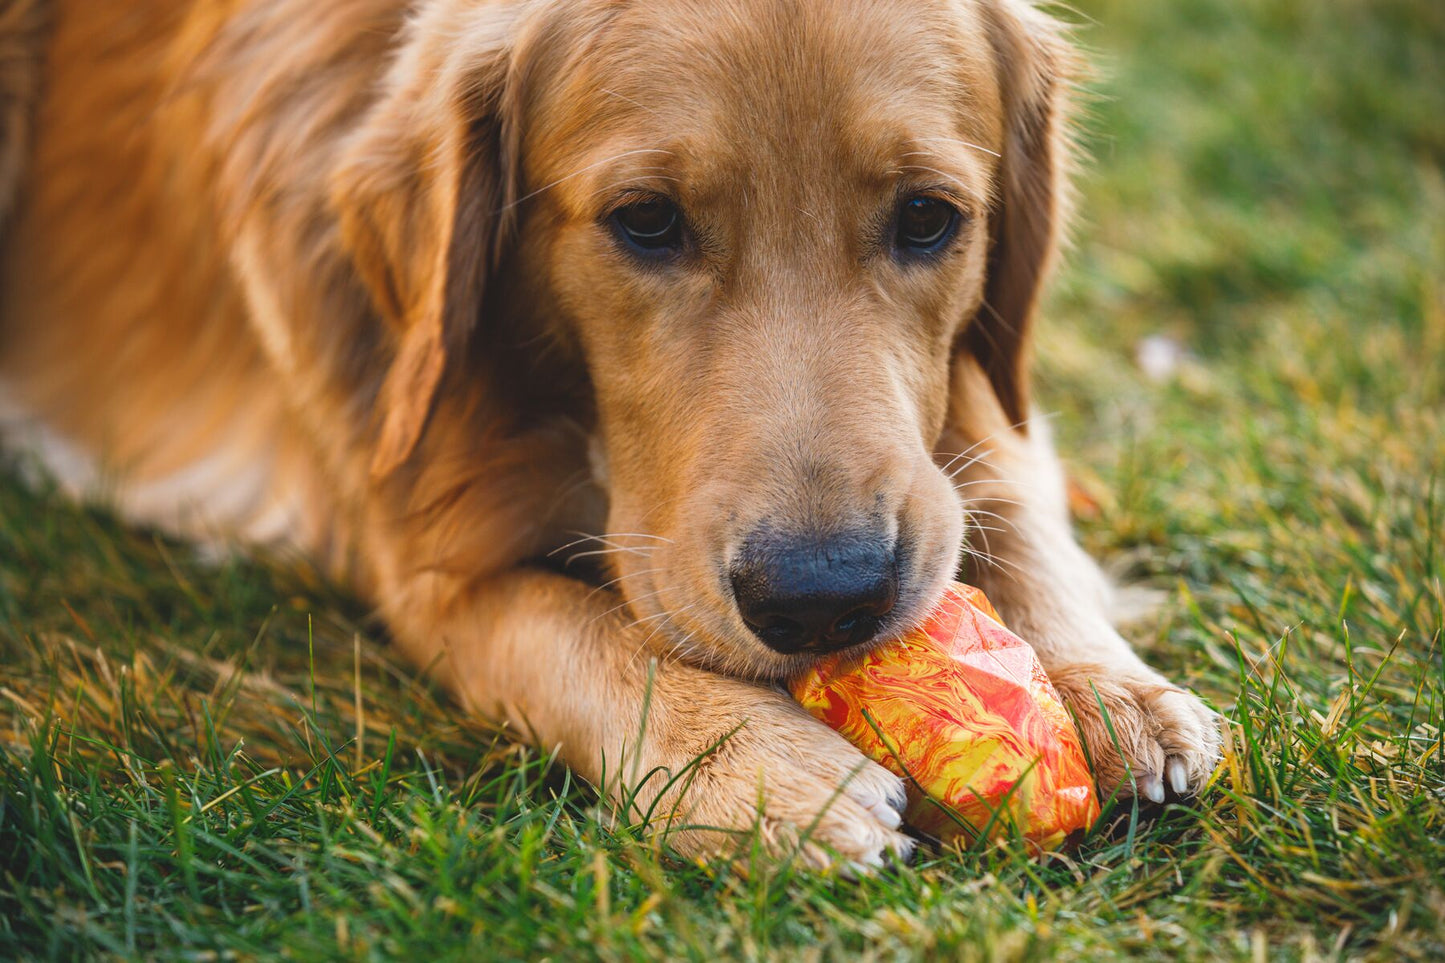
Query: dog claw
(1151, 787)
(887, 815)
(898, 797)
(1178, 777)
(898, 852)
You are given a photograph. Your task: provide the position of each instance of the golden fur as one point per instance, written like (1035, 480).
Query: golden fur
(21, 23)
(334, 272)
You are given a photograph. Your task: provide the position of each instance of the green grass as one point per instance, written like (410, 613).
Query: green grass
(186, 775)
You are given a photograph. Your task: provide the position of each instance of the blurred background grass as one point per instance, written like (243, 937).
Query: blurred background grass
(207, 761)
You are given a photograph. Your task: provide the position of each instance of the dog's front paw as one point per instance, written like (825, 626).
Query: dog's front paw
(768, 767)
(1144, 735)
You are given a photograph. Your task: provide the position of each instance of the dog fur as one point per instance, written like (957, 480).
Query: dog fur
(336, 274)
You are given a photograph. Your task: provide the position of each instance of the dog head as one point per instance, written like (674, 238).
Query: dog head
(767, 230)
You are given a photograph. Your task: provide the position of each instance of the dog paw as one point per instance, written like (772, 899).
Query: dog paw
(1145, 737)
(776, 775)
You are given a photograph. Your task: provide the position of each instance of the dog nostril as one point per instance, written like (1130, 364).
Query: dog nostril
(862, 622)
(853, 627)
(780, 633)
(814, 595)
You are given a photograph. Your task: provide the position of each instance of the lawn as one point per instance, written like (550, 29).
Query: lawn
(204, 760)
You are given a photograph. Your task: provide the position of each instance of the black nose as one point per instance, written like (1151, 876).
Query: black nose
(814, 594)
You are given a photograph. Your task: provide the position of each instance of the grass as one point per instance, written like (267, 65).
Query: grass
(209, 761)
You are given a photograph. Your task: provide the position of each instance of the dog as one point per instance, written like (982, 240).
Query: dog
(741, 289)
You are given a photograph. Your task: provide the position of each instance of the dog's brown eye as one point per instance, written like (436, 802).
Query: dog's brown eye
(653, 226)
(925, 224)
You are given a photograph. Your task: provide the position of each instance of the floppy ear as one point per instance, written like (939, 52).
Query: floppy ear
(423, 193)
(1034, 65)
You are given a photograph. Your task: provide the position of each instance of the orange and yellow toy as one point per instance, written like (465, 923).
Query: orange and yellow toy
(961, 708)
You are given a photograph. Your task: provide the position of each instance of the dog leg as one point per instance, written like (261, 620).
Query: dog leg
(565, 665)
(1144, 734)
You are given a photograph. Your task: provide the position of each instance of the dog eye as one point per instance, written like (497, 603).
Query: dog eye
(653, 226)
(925, 224)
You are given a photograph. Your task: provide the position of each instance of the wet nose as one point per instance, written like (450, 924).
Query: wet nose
(817, 594)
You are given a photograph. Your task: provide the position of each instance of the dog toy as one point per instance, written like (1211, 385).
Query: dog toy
(962, 710)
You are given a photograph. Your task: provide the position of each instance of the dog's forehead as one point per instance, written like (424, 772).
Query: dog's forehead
(739, 87)
(794, 59)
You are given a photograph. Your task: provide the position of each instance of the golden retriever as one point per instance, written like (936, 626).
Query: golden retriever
(742, 288)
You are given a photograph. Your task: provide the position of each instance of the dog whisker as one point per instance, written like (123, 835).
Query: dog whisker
(983, 513)
(578, 173)
(650, 618)
(970, 503)
(964, 454)
(953, 460)
(963, 186)
(604, 537)
(975, 482)
(663, 613)
(987, 549)
(992, 561)
(666, 623)
(643, 174)
(961, 143)
(667, 620)
(983, 458)
(979, 459)
(613, 93)
(562, 548)
(953, 456)
(1022, 423)
(614, 550)
(622, 578)
(612, 546)
(679, 650)
(624, 604)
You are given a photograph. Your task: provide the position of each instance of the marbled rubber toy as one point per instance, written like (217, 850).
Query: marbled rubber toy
(970, 721)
